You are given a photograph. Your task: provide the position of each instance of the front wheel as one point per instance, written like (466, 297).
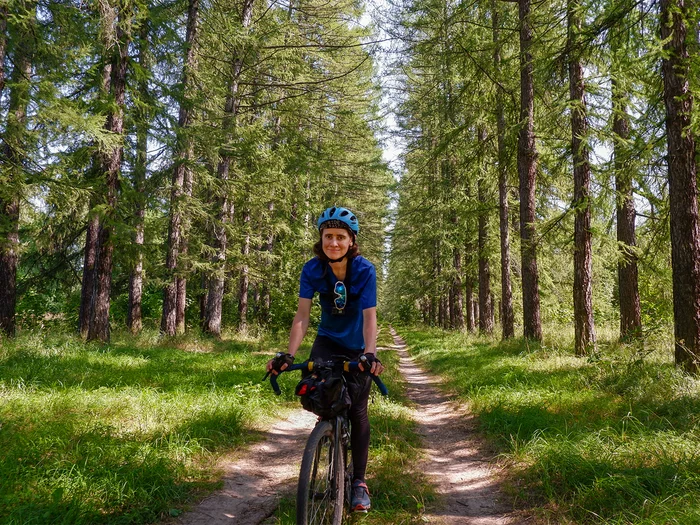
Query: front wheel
(321, 479)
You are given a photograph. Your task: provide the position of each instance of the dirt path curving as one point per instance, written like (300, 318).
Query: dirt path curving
(456, 462)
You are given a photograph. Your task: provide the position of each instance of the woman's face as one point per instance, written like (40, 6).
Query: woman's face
(336, 242)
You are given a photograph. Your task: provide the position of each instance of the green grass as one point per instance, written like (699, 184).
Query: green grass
(133, 431)
(399, 492)
(123, 433)
(613, 438)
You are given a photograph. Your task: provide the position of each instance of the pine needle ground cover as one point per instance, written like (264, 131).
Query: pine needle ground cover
(121, 433)
(613, 438)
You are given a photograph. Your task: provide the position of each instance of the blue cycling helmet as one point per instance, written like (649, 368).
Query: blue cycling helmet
(338, 218)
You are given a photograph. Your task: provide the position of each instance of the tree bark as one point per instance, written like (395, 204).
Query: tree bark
(265, 299)
(485, 303)
(245, 279)
(457, 293)
(13, 150)
(527, 174)
(469, 300)
(134, 319)
(584, 327)
(88, 285)
(3, 42)
(174, 294)
(627, 272)
(507, 315)
(87, 291)
(212, 320)
(682, 171)
(437, 287)
(110, 166)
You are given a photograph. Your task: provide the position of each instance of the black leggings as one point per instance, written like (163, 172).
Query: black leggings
(359, 387)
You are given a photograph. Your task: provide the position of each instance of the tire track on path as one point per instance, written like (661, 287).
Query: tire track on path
(455, 460)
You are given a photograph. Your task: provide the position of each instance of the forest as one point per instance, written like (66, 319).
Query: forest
(524, 173)
(162, 162)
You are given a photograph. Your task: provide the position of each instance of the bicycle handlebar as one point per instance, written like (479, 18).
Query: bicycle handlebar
(348, 366)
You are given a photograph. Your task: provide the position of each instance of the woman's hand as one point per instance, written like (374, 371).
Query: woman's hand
(375, 365)
(279, 363)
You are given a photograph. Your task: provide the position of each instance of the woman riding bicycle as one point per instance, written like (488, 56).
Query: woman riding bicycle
(347, 287)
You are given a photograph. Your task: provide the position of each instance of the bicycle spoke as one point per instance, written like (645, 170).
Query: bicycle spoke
(321, 490)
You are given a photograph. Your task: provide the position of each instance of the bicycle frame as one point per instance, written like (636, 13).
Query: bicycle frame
(325, 477)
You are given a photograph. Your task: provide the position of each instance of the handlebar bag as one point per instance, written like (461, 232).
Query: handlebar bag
(323, 393)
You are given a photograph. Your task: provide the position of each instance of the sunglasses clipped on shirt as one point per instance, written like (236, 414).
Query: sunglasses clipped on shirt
(340, 298)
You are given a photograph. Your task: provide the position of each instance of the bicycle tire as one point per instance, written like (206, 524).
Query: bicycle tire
(321, 487)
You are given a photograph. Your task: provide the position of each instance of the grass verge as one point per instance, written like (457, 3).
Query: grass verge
(123, 433)
(613, 438)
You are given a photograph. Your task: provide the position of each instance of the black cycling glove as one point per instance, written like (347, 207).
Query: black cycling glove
(281, 360)
(369, 359)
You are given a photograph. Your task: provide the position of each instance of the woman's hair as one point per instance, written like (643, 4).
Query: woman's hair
(353, 251)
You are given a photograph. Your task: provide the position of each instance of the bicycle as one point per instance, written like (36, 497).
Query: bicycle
(325, 477)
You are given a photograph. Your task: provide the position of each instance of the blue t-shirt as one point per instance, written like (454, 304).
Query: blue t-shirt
(345, 326)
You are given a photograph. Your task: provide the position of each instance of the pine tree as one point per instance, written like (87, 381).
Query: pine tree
(584, 333)
(527, 172)
(142, 113)
(507, 315)
(174, 294)
(624, 171)
(110, 160)
(13, 151)
(682, 172)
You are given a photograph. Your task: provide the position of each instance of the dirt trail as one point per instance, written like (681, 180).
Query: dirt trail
(254, 484)
(456, 462)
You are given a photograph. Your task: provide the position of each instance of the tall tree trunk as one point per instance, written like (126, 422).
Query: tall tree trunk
(173, 302)
(444, 298)
(87, 291)
(133, 319)
(438, 285)
(469, 300)
(452, 305)
(457, 293)
(265, 300)
(584, 327)
(14, 150)
(181, 304)
(527, 173)
(188, 185)
(110, 167)
(245, 279)
(3, 41)
(627, 272)
(485, 303)
(212, 320)
(507, 315)
(685, 233)
(88, 285)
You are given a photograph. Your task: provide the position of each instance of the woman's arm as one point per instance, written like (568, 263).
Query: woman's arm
(369, 331)
(296, 335)
(299, 326)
